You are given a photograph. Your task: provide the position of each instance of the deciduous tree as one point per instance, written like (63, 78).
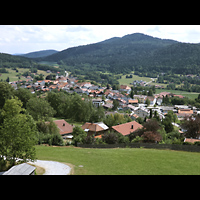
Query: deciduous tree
(18, 133)
(192, 126)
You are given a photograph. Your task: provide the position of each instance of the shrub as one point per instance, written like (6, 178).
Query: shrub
(137, 139)
(187, 143)
(197, 143)
(110, 138)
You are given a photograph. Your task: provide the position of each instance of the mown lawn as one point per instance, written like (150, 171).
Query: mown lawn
(123, 160)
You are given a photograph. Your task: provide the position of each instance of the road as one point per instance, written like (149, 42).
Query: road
(52, 167)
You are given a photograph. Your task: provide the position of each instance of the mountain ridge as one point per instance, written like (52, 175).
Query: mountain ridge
(38, 54)
(134, 52)
(115, 41)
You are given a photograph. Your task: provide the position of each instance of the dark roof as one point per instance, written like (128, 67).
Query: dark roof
(22, 169)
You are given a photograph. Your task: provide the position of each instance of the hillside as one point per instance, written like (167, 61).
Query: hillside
(136, 52)
(8, 61)
(38, 54)
(14, 62)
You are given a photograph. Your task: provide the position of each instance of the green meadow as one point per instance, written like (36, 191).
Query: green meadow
(121, 161)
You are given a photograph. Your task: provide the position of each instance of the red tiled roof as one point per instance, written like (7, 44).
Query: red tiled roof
(133, 101)
(191, 140)
(98, 136)
(125, 87)
(63, 126)
(126, 129)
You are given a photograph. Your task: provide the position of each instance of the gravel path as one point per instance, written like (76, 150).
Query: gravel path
(52, 167)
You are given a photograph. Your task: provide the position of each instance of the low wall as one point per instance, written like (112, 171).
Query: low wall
(191, 148)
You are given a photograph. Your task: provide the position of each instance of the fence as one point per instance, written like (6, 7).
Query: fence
(191, 148)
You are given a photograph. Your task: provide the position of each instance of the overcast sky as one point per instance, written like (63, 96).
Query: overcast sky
(28, 38)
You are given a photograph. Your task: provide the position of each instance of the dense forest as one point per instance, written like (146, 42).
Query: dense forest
(135, 52)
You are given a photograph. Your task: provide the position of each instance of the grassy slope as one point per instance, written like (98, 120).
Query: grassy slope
(123, 161)
(12, 74)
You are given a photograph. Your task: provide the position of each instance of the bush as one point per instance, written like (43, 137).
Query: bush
(137, 139)
(3, 164)
(197, 143)
(110, 138)
(49, 139)
(187, 143)
(89, 140)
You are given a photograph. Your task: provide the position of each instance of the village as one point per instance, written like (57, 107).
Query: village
(138, 108)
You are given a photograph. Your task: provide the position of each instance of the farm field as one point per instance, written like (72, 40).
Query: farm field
(123, 160)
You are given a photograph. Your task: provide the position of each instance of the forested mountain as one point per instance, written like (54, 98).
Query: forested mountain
(38, 54)
(114, 55)
(178, 58)
(136, 52)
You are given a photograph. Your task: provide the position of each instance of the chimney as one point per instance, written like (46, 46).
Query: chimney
(63, 124)
(131, 126)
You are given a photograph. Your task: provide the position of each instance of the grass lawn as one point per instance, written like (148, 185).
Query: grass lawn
(123, 160)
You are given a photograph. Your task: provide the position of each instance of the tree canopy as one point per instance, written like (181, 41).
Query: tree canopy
(18, 132)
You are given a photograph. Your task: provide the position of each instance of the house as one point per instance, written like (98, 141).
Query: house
(94, 129)
(191, 140)
(65, 128)
(141, 98)
(142, 112)
(125, 88)
(179, 96)
(151, 99)
(22, 169)
(184, 113)
(108, 106)
(42, 83)
(127, 128)
(98, 102)
(78, 90)
(164, 94)
(133, 101)
(131, 107)
(166, 109)
(61, 79)
(159, 101)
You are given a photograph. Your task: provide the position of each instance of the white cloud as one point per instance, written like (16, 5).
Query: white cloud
(27, 38)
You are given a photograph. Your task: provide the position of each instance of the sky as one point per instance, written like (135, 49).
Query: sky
(28, 38)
